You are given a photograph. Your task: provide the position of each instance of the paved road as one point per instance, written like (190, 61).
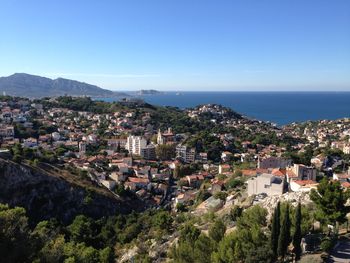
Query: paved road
(341, 252)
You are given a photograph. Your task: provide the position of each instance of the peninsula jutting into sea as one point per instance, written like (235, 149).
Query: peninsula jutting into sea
(267, 106)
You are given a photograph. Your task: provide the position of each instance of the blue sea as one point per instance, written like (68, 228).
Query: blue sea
(277, 107)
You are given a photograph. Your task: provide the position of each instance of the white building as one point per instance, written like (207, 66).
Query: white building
(267, 184)
(346, 149)
(30, 143)
(303, 185)
(187, 154)
(134, 144)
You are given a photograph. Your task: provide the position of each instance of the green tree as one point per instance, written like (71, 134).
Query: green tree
(330, 202)
(163, 220)
(226, 252)
(236, 212)
(183, 252)
(221, 195)
(284, 235)
(217, 231)
(177, 171)
(165, 151)
(203, 248)
(189, 233)
(261, 254)
(297, 233)
(79, 252)
(15, 243)
(53, 250)
(81, 229)
(275, 229)
(248, 243)
(106, 255)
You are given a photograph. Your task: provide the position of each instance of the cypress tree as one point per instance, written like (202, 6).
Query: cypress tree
(284, 236)
(297, 233)
(275, 230)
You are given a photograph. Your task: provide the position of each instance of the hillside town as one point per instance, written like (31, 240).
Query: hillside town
(235, 161)
(121, 149)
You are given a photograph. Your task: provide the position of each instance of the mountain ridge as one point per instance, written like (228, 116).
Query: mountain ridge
(34, 86)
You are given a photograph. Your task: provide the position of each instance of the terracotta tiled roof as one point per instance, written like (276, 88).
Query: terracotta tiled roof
(346, 185)
(304, 182)
(138, 180)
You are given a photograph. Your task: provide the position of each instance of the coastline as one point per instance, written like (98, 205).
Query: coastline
(281, 108)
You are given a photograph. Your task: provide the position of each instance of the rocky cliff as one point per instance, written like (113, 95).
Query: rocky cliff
(46, 194)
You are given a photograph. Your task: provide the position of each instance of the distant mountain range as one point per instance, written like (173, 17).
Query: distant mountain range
(31, 86)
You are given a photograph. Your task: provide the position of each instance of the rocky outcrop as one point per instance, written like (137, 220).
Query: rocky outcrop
(46, 195)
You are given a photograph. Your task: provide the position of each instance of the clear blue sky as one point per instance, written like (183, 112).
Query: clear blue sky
(180, 44)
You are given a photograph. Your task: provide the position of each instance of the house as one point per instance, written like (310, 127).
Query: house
(123, 167)
(224, 168)
(161, 188)
(345, 185)
(303, 185)
(114, 143)
(226, 156)
(266, 183)
(119, 177)
(128, 161)
(318, 161)
(186, 198)
(134, 183)
(195, 180)
(343, 177)
(202, 157)
(346, 148)
(301, 172)
(7, 131)
(30, 143)
(161, 176)
(110, 184)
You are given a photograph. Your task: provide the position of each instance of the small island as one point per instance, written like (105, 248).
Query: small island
(149, 92)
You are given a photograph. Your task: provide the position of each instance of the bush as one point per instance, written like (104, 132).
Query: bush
(327, 244)
(220, 195)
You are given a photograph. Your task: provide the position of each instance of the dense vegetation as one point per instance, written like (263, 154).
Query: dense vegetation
(83, 240)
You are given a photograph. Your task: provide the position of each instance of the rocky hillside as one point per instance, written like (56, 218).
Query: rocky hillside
(46, 194)
(26, 85)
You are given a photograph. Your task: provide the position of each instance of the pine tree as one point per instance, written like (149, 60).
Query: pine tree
(275, 230)
(284, 236)
(297, 233)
